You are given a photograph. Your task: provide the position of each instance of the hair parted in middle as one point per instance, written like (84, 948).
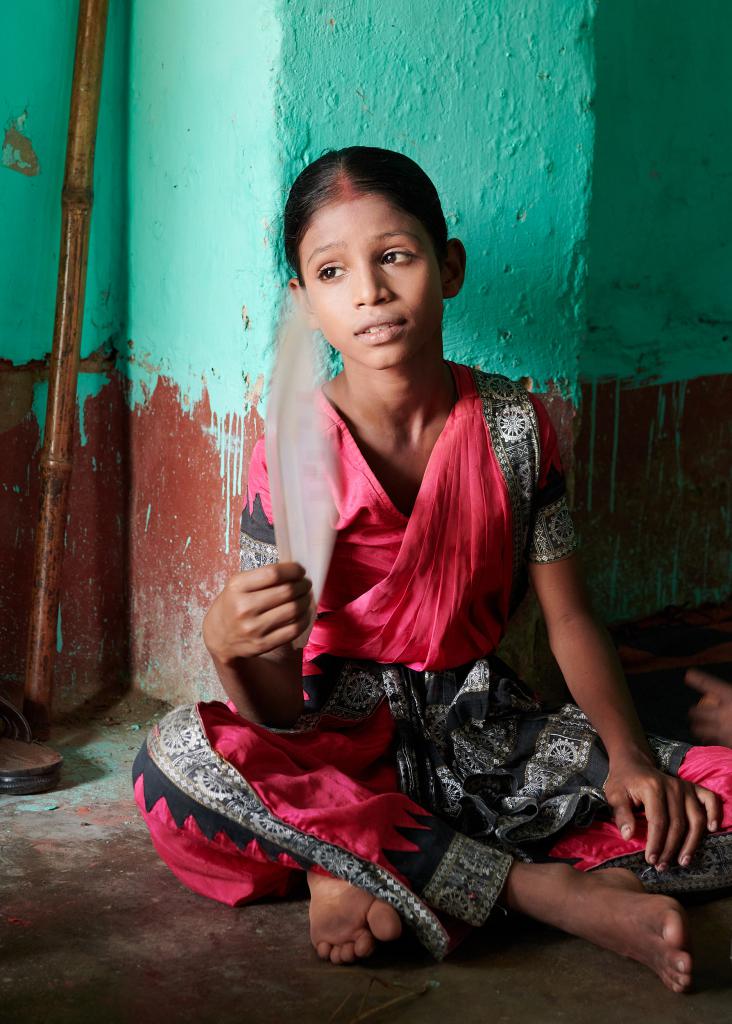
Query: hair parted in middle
(363, 170)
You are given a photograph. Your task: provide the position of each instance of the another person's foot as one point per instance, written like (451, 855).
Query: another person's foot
(345, 922)
(650, 928)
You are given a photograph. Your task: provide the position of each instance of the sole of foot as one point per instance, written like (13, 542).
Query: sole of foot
(346, 922)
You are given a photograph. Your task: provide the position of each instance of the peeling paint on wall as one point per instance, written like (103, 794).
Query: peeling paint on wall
(88, 386)
(204, 286)
(17, 151)
(229, 435)
(658, 530)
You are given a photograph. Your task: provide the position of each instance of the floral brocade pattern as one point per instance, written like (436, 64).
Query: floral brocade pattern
(553, 536)
(253, 553)
(514, 434)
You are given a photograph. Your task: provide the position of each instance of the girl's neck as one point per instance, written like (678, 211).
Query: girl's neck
(401, 400)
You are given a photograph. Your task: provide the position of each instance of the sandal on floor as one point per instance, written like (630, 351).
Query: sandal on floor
(25, 766)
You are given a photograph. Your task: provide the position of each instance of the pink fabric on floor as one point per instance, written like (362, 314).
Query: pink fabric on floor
(601, 842)
(337, 784)
(215, 868)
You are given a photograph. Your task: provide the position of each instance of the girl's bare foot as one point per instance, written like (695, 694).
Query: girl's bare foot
(345, 921)
(612, 909)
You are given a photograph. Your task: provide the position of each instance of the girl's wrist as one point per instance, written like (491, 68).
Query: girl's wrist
(631, 752)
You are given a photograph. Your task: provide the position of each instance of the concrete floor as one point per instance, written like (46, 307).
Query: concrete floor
(94, 928)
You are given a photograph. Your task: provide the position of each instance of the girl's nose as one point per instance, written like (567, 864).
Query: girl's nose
(370, 287)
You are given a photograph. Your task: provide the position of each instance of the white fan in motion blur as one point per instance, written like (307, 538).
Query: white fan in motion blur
(299, 459)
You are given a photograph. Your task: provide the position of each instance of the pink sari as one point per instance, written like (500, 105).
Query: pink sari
(421, 765)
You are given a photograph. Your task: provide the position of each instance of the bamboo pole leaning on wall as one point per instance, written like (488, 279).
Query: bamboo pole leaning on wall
(57, 454)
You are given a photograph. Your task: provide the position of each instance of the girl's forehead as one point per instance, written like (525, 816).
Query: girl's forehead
(357, 217)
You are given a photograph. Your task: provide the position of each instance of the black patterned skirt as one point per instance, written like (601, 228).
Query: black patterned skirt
(421, 788)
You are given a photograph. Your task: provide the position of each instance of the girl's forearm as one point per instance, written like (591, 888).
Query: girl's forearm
(595, 679)
(265, 689)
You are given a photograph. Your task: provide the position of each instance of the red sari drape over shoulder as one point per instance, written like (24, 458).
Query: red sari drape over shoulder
(431, 590)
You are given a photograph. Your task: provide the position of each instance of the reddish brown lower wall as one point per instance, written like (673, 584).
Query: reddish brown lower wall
(146, 542)
(92, 647)
(653, 494)
(178, 528)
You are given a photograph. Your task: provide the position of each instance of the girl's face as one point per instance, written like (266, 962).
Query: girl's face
(371, 281)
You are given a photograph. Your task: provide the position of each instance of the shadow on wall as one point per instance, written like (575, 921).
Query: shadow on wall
(653, 485)
(659, 303)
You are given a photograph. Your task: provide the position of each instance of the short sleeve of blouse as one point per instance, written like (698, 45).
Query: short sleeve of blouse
(552, 535)
(256, 536)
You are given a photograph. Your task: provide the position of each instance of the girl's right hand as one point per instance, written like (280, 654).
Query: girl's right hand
(259, 611)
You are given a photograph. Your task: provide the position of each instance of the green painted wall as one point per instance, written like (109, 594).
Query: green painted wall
(493, 99)
(203, 192)
(580, 147)
(35, 88)
(660, 268)
(226, 110)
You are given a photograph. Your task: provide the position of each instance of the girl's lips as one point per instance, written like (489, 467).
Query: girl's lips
(383, 332)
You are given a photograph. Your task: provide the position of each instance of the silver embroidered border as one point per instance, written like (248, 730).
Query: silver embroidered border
(468, 880)
(553, 536)
(664, 751)
(253, 554)
(357, 693)
(514, 432)
(710, 868)
(179, 747)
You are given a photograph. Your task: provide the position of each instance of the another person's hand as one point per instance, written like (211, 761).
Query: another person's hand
(678, 812)
(259, 611)
(711, 718)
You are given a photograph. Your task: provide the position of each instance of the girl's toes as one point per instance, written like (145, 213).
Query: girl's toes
(682, 964)
(675, 979)
(383, 921)
(323, 950)
(348, 953)
(364, 944)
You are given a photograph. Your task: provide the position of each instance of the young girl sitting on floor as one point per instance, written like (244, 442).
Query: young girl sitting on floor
(397, 760)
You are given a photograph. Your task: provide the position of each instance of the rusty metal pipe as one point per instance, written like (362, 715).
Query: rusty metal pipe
(57, 454)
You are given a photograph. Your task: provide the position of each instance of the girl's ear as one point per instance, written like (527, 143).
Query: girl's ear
(300, 295)
(452, 271)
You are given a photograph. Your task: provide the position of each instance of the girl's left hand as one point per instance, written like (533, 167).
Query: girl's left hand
(678, 812)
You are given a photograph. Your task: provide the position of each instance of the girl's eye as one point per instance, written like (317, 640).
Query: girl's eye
(329, 273)
(396, 256)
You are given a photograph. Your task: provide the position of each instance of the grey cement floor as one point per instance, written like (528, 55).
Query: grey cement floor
(94, 928)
